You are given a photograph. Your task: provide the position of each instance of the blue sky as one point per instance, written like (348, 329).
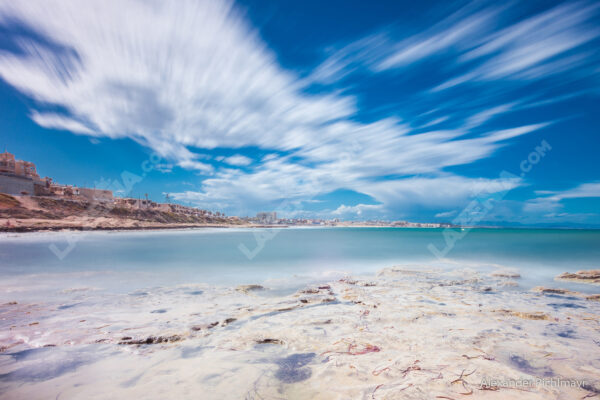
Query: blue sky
(338, 109)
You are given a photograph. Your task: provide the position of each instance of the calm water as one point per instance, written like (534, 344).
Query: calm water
(286, 258)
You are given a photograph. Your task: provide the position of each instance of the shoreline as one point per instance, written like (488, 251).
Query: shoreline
(125, 228)
(128, 227)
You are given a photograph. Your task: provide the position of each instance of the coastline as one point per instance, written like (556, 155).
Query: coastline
(26, 228)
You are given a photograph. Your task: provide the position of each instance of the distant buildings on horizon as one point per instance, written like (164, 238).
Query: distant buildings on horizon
(20, 178)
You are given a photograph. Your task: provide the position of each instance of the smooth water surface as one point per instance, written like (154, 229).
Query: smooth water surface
(285, 257)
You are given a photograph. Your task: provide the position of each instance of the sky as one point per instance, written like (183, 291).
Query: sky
(478, 112)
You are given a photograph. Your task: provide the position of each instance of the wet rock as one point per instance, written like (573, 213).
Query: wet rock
(67, 306)
(139, 294)
(557, 306)
(284, 309)
(204, 327)
(552, 292)
(270, 341)
(293, 369)
(459, 283)
(153, 340)
(590, 388)
(325, 322)
(367, 284)
(508, 284)
(590, 276)
(228, 321)
(317, 299)
(506, 274)
(310, 291)
(526, 366)
(249, 288)
(534, 315)
(545, 290)
(567, 333)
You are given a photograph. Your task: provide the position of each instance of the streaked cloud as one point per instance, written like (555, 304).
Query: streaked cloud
(550, 201)
(358, 210)
(238, 160)
(591, 189)
(60, 122)
(183, 78)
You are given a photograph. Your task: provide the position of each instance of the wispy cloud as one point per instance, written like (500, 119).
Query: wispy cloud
(446, 214)
(550, 201)
(238, 160)
(187, 75)
(529, 49)
(357, 210)
(455, 31)
(591, 189)
(60, 122)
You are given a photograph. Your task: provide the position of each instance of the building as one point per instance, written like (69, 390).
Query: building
(9, 165)
(16, 185)
(18, 177)
(100, 195)
(266, 217)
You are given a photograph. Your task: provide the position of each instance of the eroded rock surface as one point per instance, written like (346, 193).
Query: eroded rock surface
(590, 276)
(405, 334)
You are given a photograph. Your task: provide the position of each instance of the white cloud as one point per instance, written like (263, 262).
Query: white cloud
(238, 160)
(451, 32)
(434, 122)
(482, 117)
(532, 48)
(357, 210)
(193, 74)
(60, 122)
(591, 189)
(550, 201)
(444, 191)
(196, 165)
(528, 49)
(446, 214)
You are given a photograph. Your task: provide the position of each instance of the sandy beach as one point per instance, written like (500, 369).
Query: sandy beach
(403, 333)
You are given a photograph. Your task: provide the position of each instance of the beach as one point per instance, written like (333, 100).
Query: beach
(415, 330)
(403, 334)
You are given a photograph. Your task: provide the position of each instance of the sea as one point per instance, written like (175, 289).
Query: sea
(36, 265)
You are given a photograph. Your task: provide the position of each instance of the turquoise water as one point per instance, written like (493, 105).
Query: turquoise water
(285, 257)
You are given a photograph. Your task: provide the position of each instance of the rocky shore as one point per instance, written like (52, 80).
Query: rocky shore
(402, 334)
(590, 277)
(36, 214)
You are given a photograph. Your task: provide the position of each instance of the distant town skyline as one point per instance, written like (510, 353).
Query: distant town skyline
(398, 111)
